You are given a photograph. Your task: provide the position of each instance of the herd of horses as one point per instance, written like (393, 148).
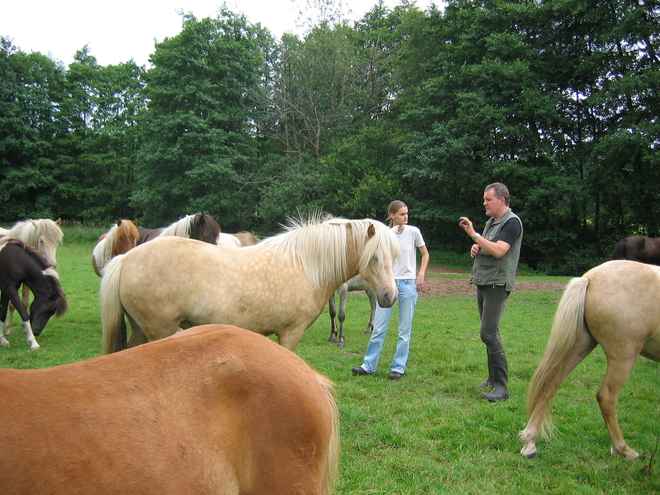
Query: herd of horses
(255, 418)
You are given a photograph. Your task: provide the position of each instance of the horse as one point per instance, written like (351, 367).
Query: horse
(615, 305)
(201, 226)
(638, 248)
(246, 238)
(121, 238)
(42, 234)
(214, 409)
(21, 264)
(279, 286)
(356, 283)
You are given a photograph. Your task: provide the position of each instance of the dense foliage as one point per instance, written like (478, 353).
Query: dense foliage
(556, 98)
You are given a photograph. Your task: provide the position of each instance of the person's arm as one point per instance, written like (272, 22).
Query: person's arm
(496, 249)
(422, 267)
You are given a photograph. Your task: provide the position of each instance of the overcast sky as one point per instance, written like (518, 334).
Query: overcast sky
(119, 30)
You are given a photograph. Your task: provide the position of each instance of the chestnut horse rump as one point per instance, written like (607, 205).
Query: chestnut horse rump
(214, 409)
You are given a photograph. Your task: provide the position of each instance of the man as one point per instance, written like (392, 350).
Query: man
(496, 253)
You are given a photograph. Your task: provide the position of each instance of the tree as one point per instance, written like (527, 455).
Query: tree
(199, 149)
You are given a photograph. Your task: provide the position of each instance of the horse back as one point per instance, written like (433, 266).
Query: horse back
(216, 409)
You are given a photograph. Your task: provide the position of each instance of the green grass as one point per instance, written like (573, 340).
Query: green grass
(430, 432)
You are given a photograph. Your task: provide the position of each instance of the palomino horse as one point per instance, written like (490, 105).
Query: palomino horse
(214, 409)
(614, 305)
(279, 286)
(638, 248)
(120, 239)
(356, 283)
(201, 226)
(21, 264)
(43, 235)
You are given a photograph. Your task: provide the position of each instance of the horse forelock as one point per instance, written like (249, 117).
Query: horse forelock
(319, 247)
(382, 243)
(57, 300)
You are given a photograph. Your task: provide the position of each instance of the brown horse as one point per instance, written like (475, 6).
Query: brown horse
(638, 248)
(120, 239)
(614, 305)
(215, 409)
(279, 286)
(201, 226)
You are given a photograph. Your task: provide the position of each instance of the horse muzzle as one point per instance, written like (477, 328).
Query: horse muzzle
(387, 299)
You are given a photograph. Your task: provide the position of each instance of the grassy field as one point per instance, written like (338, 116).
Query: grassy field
(430, 432)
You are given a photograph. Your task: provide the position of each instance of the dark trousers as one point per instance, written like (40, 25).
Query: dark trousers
(491, 300)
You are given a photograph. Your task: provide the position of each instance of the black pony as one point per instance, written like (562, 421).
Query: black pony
(21, 264)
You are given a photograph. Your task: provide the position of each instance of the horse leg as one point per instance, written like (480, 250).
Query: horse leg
(343, 294)
(290, 337)
(4, 302)
(333, 313)
(616, 376)
(583, 346)
(373, 300)
(27, 329)
(137, 334)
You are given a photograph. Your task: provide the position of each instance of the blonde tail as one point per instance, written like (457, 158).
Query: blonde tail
(332, 460)
(112, 311)
(567, 326)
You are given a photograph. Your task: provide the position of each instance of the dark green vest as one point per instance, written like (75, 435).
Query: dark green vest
(489, 270)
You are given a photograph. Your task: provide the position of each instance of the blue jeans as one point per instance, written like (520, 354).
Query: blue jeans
(407, 302)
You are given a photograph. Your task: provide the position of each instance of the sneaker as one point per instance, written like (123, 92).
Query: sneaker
(395, 375)
(360, 371)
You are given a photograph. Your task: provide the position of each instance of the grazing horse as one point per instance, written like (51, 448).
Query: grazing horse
(214, 409)
(638, 248)
(121, 238)
(279, 286)
(21, 264)
(614, 305)
(356, 283)
(201, 226)
(43, 235)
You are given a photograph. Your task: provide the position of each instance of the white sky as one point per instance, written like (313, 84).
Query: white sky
(119, 30)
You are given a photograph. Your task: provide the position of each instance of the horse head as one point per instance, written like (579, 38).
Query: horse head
(48, 236)
(126, 236)
(376, 262)
(46, 305)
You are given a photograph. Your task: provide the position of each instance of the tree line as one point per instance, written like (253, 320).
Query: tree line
(558, 99)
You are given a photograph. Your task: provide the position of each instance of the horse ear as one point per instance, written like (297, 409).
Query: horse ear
(118, 222)
(135, 222)
(371, 231)
(58, 221)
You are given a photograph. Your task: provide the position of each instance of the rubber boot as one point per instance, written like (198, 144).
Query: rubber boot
(489, 382)
(500, 377)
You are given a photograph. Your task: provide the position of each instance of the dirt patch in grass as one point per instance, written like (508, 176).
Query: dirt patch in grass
(439, 287)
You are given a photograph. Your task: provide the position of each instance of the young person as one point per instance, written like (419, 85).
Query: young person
(409, 282)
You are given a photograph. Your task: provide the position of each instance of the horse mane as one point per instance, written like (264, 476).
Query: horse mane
(30, 251)
(57, 299)
(31, 230)
(180, 228)
(320, 245)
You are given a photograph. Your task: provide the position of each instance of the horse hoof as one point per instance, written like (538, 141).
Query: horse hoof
(5, 344)
(331, 340)
(530, 456)
(9, 333)
(33, 347)
(341, 344)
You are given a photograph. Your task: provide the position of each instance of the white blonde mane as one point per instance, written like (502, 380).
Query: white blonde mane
(180, 228)
(103, 250)
(30, 231)
(321, 247)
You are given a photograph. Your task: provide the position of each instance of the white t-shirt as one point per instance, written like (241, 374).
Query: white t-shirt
(410, 239)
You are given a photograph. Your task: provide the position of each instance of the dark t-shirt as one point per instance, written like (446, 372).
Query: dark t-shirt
(510, 231)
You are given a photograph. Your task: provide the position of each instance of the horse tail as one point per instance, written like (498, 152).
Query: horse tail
(619, 251)
(112, 311)
(331, 469)
(568, 324)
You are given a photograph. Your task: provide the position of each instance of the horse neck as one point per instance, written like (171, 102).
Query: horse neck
(33, 276)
